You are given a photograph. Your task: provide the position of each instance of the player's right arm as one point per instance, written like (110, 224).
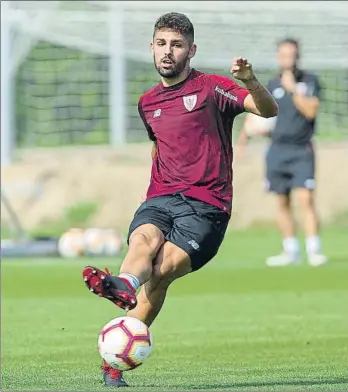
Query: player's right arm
(150, 133)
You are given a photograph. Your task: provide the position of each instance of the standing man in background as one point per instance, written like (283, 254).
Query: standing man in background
(290, 160)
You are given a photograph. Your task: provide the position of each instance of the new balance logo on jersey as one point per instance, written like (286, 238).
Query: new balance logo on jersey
(194, 244)
(225, 93)
(157, 113)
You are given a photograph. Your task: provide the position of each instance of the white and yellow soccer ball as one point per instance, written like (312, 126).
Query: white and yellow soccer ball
(258, 126)
(70, 243)
(93, 242)
(113, 242)
(125, 343)
(101, 242)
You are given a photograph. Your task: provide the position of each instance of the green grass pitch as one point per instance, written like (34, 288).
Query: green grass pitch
(234, 325)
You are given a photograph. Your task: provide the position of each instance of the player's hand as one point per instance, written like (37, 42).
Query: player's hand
(241, 69)
(288, 81)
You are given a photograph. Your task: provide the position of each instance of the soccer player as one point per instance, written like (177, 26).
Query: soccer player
(290, 160)
(181, 225)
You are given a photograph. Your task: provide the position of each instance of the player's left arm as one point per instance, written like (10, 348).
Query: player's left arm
(259, 101)
(307, 102)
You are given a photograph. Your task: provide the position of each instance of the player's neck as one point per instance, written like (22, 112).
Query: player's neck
(173, 81)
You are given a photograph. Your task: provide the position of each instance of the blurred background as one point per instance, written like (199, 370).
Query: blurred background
(75, 163)
(73, 149)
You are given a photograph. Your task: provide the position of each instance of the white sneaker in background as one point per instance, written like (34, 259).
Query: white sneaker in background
(283, 260)
(317, 259)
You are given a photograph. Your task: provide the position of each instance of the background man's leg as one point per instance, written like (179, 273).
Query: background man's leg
(310, 219)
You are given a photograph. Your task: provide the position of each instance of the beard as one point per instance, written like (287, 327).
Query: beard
(172, 70)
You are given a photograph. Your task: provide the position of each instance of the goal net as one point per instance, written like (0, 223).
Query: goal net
(80, 67)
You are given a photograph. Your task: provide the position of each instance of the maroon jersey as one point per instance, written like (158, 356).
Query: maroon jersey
(192, 125)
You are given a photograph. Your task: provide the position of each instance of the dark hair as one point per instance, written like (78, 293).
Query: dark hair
(179, 23)
(291, 41)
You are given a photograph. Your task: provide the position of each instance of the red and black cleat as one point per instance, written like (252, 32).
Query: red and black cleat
(113, 377)
(113, 288)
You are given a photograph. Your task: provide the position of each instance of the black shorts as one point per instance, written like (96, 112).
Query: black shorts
(196, 227)
(290, 167)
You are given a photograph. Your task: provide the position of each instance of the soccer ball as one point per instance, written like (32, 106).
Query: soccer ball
(125, 343)
(93, 242)
(99, 242)
(113, 243)
(70, 243)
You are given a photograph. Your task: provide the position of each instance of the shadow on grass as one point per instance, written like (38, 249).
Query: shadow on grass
(245, 386)
(248, 385)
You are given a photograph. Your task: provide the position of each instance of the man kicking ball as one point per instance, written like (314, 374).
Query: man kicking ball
(181, 225)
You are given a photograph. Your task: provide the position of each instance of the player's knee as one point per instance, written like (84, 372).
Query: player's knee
(284, 202)
(152, 241)
(164, 275)
(305, 198)
(172, 267)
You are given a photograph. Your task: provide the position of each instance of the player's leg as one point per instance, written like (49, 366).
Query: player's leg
(144, 243)
(197, 233)
(304, 192)
(146, 235)
(310, 221)
(285, 219)
(194, 240)
(170, 264)
(287, 228)
(136, 268)
(279, 183)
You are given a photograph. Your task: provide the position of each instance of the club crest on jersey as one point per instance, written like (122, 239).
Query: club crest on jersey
(190, 102)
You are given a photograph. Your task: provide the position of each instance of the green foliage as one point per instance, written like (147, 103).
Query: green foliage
(78, 214)
(75, 216)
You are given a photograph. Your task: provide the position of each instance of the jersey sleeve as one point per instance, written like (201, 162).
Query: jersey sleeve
(147, 126)
(228, 95)
(314, 87)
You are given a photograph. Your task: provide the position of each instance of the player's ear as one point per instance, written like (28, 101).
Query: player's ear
(192, 51)
(151, 46)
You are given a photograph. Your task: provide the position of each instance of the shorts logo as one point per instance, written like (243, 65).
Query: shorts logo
(310, 183)
(278, 93)
(194, 244)
(190, 102)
